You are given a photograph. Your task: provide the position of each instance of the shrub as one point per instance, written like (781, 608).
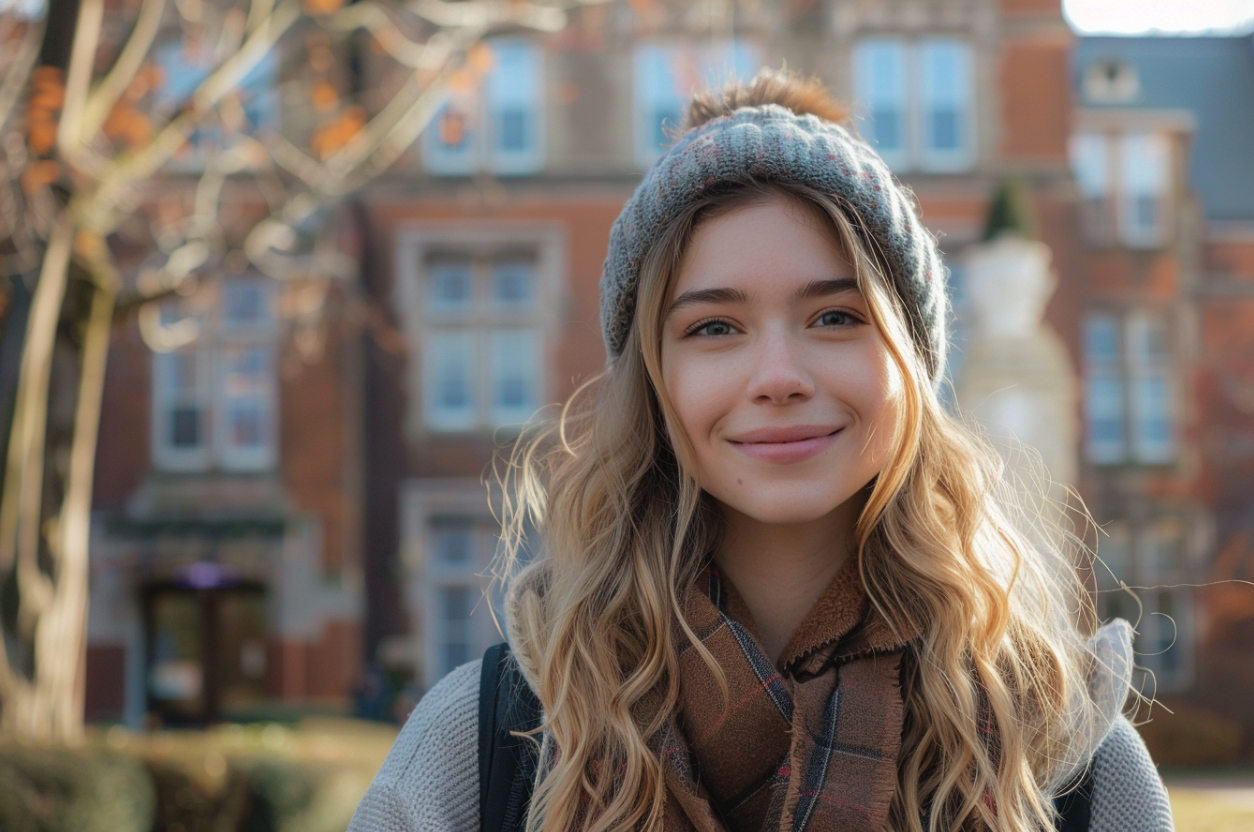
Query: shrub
(85, 790)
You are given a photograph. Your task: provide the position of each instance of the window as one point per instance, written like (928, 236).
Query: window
(917, 101)
(456, 603)
(1129, 415)
(497, 126)
(666, 76)
(1111, 82)
(214, 399)
(1124, 183)
(185, 65)
(1150, 557)
(482, 341)
(459, 545)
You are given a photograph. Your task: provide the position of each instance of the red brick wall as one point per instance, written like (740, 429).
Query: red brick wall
(106, 677)
(123, 450)
(318, 443)
(1035, 91)
(326, 669)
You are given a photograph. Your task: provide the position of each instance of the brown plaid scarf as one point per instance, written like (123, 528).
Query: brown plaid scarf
(810, 746)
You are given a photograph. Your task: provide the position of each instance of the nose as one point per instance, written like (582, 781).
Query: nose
(778, 373)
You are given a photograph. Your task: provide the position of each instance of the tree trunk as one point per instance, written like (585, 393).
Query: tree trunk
(59, 344)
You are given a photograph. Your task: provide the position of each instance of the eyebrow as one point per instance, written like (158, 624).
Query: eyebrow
(811, 291)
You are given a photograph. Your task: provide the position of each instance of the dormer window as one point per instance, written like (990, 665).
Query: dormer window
(1111, 82)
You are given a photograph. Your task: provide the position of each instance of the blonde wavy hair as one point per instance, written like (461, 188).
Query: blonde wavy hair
(1004, 621)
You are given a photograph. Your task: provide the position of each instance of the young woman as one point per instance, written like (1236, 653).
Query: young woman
(779, 590)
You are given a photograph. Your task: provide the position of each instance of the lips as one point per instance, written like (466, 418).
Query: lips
(785, 444)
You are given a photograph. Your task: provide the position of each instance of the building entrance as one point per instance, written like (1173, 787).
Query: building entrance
(206, 651)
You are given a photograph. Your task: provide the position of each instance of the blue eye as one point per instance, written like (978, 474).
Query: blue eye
(837, 318)
(713, 328)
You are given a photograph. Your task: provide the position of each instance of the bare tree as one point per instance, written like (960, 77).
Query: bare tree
(90, 131)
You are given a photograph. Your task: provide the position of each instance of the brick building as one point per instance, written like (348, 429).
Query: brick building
(484, 248)
(1161, 143)
(488, 248)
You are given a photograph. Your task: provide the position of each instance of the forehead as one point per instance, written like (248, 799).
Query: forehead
(774, 243)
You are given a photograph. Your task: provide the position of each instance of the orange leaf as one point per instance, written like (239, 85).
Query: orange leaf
(43, 135)
(459, 80)
(480, 59)
(323, 6)
(40, 174)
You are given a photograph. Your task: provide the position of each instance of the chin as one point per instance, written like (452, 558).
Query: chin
(783, 509)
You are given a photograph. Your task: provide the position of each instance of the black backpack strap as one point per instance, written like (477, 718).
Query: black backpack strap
(1075, 805)
(507, 764)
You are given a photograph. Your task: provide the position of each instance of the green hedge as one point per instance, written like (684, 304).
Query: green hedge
(58, 789)
(268, 779)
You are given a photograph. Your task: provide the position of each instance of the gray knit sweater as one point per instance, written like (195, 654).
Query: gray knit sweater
(430, 780)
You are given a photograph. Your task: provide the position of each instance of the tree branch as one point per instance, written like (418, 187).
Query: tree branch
(106, 93)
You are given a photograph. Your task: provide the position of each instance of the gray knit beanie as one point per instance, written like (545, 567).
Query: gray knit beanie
(773, 144)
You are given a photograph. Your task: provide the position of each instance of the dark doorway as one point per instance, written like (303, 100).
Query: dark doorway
(206, 651)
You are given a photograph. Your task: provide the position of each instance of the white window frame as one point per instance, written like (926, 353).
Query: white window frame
(1144, 174)
(165, 397)
(1150, 395)
(665, 75)
(916, 98)
(1115, 169)
(499, 89)
(1105, 399)
(213, 341)
(485, 245)
(1138, 384)
(426, 504)
(1152, 583)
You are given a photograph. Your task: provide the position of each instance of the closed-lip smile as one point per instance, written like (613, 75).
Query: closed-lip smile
(784, 444)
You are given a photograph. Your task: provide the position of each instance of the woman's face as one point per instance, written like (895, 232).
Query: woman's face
(782, 385)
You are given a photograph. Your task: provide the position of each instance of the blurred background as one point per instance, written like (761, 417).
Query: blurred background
(282, 277)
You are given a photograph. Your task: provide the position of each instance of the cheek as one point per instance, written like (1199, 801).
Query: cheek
(876, 391)
(695, 408)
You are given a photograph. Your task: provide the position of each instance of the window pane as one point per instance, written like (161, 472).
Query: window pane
(667, 74)
(185, 429)
(880, 88)
(184, 372)
(245, 425)
(1101, 340)
(453, 541)
(448, 143)
(1115, 552)
(180, 400)
(450, 286)
(946, 101)
(658, 98)
(513, 128)
(456, 605)
(245, 304)
(1089, 164)
(1104, 397)
(515, 375)
(515, 89)
(513, 282)
(1150, 390)
(1144, 177)
(448, 374)
(1162, 552)
(246, 431)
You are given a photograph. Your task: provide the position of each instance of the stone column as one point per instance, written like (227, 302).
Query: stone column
(1018, 379)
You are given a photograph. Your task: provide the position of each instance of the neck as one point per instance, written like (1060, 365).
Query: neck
(780, 569)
